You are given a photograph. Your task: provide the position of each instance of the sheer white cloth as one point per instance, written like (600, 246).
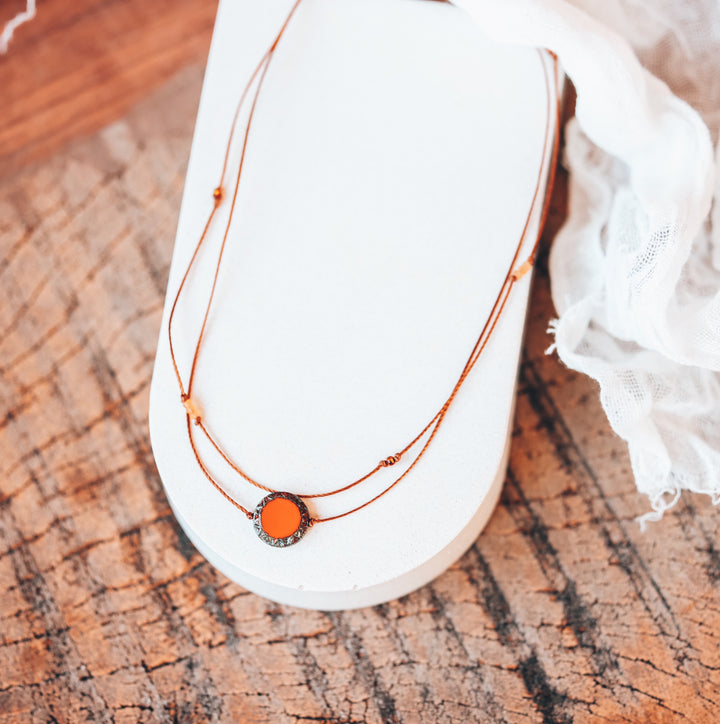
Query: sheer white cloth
(635, 270)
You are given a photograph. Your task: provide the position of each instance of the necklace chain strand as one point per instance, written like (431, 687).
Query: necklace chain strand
(194, 417)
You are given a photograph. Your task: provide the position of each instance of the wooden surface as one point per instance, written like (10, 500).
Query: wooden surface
(81, 64)
(562, 611)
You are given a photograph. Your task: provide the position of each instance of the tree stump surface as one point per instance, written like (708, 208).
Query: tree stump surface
(562, 611)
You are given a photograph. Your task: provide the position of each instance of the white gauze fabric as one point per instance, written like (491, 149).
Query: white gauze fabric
(635, 270)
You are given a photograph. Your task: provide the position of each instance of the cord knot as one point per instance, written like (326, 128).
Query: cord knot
(191, 408)
(522, 270)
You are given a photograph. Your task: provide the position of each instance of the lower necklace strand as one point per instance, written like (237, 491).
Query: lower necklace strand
(282, 518)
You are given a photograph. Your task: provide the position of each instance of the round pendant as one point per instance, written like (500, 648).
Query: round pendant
(281, 519)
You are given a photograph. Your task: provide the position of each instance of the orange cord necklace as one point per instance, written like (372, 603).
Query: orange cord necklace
(282, 518)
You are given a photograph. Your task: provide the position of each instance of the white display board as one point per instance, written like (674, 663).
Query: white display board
(389, 172)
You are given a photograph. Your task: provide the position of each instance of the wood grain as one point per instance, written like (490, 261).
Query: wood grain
(79, 65)
(562, 611)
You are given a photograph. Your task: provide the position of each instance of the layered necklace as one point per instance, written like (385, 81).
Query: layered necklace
(281, 518)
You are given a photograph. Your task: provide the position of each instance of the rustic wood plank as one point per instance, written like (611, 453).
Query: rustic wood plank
(77, 66)
(562, 611)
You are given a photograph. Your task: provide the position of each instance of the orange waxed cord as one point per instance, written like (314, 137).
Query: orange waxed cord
(514, 274)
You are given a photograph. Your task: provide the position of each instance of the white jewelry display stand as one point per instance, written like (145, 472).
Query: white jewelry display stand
(389, 172)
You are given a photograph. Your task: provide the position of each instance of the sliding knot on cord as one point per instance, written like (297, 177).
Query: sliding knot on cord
(523, 269)
(191, 408)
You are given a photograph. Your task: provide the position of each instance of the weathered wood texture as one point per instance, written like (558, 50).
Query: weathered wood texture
(562, 611)
(79, 65)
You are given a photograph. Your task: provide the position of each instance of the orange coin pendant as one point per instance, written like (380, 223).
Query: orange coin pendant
(281, 519)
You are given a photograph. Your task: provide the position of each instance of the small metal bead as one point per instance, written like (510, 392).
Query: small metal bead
(218, 193)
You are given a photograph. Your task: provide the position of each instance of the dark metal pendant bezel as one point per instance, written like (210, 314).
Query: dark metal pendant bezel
(293, 537)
